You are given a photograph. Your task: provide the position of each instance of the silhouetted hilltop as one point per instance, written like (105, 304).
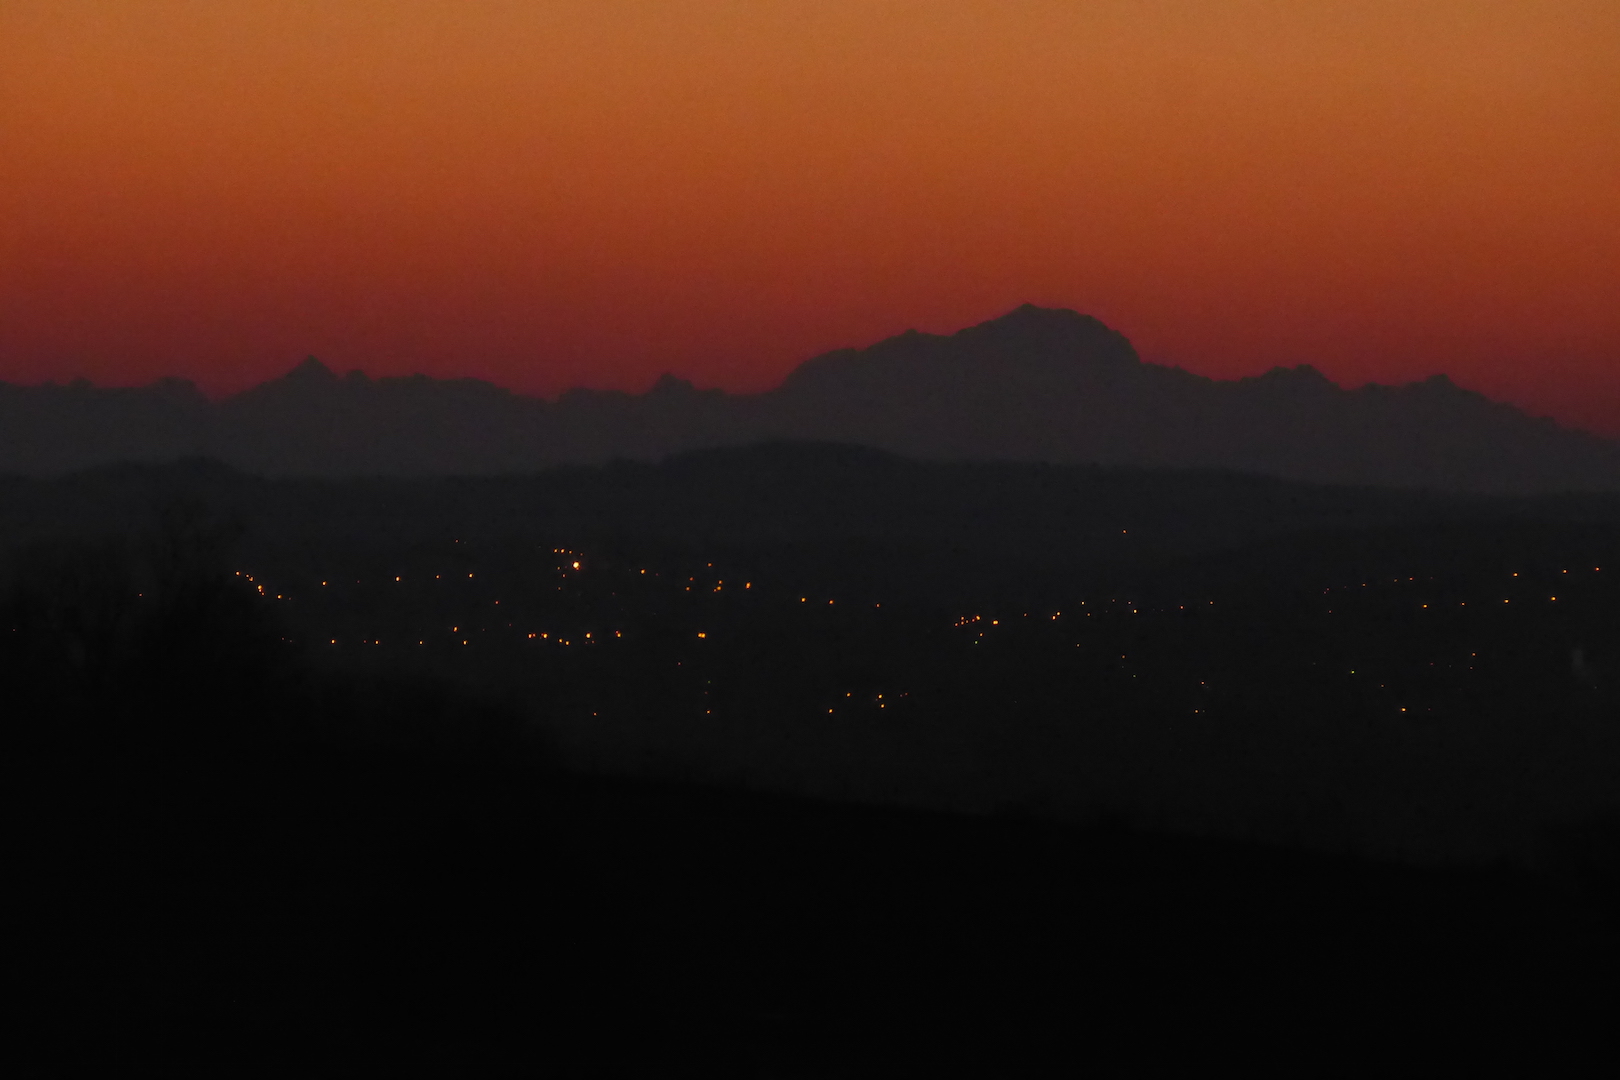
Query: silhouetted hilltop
(1053, 385)
(55, 429)
(1034, 385)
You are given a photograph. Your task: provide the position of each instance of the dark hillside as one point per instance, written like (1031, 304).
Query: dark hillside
(799, 751)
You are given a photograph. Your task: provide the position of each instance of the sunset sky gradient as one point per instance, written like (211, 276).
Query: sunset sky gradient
(550, 194)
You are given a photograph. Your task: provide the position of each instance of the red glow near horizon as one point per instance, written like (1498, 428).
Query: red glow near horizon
(570, 193)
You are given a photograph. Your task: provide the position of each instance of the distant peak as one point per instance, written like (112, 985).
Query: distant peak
(311, 370)
(1028, 327)
(1027, 311)
(1297, 373)
(1028, 321)
(183, 391)
(1033, 315)
(671, 384)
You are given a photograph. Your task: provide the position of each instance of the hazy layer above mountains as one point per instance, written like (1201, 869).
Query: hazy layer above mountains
(1034, 385)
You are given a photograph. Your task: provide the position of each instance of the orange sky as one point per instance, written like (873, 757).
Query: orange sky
(588, 193)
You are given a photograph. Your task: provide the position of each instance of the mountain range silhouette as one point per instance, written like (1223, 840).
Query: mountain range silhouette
(1036, 384)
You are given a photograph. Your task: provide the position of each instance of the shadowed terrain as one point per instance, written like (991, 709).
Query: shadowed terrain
(802, 751)
(1036, 385)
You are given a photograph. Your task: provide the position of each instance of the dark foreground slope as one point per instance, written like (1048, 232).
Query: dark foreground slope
(1036, 385)
(333, 770)
(371, 907)
(364, 874)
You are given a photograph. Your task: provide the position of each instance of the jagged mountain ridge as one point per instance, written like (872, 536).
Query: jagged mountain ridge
(1033, 385)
